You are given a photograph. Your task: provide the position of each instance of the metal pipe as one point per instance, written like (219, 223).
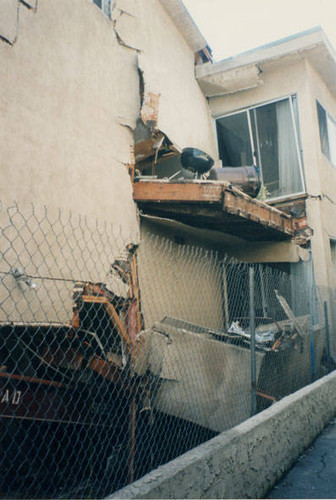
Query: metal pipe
(327, 336)
(253, 351)
(246, 178)
(225, 298)
(311, 323)
(263, 295)
(132, 425)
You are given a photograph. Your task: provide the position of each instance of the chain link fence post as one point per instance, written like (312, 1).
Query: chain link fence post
(327, 334)
(311, 319)
(253, 348)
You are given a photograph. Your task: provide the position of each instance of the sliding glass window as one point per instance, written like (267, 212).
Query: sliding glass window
(327, 134)
(266, 136)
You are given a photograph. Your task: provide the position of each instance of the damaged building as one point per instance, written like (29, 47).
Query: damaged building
(140, 182)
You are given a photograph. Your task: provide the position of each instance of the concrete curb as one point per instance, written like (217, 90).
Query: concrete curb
(246, 461)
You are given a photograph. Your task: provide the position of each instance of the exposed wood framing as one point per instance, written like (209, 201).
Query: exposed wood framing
(176, 192)
(214, 205)
(256, 211)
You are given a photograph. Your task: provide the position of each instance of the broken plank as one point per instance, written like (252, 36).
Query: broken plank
(248, 208)
(112, 313)
(284, 304)
(164, 191)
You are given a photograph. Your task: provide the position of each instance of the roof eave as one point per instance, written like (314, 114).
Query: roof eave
(186, 25)
(302, 43)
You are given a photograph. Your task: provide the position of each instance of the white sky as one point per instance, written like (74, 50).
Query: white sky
(234, 26)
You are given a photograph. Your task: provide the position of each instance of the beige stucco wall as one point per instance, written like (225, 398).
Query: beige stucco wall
(61, 103)
(69, 101)
(326, 171)
(322, 210)
(168, 65)
(179, 277)
(277, 82)
(248, 460)
(62, 147)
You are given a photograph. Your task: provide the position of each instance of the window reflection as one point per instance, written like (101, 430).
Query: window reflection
(267, 136)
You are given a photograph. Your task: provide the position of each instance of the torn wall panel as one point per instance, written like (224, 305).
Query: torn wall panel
(66, 86)
(205, 381)
(125, 88)
(167, 64)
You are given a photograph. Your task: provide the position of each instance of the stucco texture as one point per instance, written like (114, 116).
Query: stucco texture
(61, 104)
(246, 461)
(180, 281)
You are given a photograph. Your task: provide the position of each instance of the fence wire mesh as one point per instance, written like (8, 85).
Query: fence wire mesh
(118, 355)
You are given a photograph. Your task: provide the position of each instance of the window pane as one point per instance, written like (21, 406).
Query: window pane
(278, 149)
(104, 5)
(268, 146)
(332, 140)
(322, 119)
(333, 258)
(234, 140)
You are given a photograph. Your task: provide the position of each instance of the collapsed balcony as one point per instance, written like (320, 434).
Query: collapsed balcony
(216, 205)
(183, 186)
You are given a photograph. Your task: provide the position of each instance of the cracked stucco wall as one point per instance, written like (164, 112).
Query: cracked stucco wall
(68, 103)
(167, 64)
(70, 100)
(246, 461)
(62, 107)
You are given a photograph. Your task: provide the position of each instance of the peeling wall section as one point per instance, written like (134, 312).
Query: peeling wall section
(171, 91)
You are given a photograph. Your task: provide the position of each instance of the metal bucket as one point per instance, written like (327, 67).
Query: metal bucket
(245, 178)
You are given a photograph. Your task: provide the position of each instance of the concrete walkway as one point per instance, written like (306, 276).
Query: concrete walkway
(314, 474)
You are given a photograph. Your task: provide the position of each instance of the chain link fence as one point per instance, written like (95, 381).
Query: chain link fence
(118, 355)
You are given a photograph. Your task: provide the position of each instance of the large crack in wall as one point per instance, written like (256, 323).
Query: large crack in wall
(10, 18)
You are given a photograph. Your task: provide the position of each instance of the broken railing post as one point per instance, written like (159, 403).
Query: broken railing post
(253, 353)
(327, 333)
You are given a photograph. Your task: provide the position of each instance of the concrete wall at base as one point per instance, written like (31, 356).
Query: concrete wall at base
(246, 461)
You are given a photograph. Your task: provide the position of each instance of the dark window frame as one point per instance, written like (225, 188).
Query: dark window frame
(106, 6)
(324, 118)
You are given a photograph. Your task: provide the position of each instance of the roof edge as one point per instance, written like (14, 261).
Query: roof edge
(186, 25)
(298, 42)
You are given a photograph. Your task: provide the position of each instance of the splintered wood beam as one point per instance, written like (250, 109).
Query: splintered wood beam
(218, 202)
(112, 313)
(259, 212)
(176, 193)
